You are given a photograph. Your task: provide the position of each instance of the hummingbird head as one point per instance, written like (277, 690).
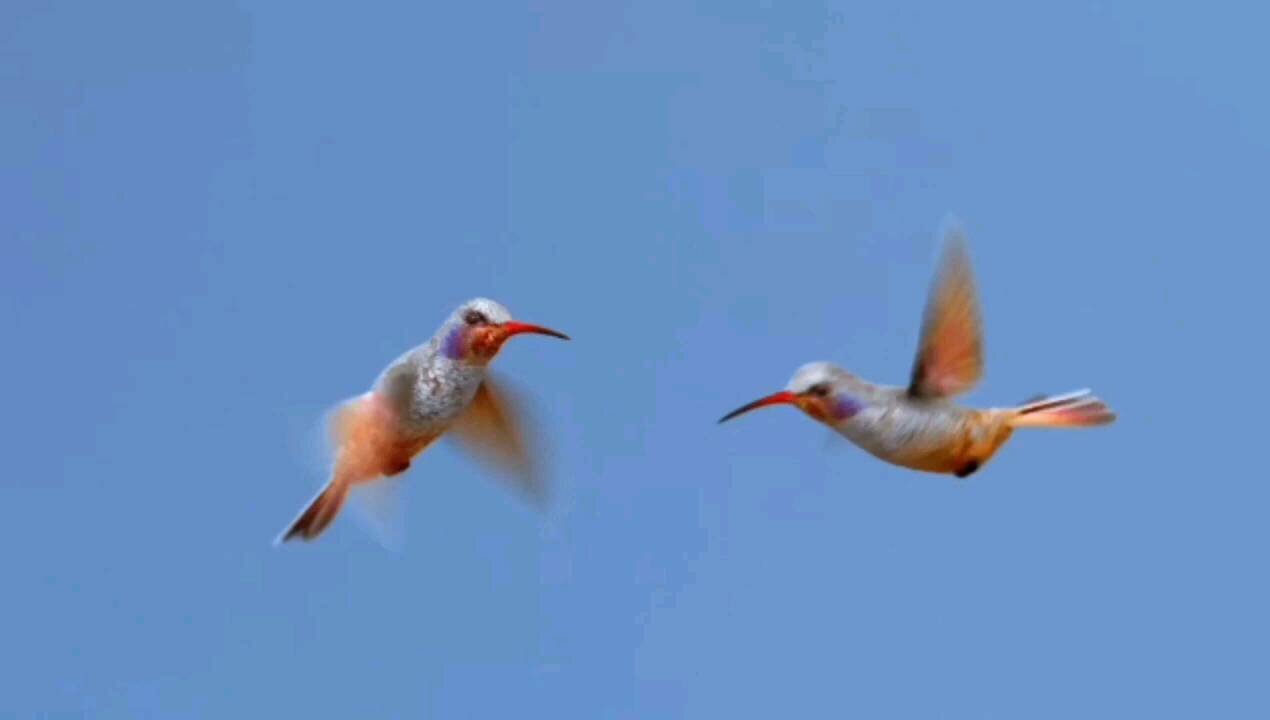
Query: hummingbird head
(816, 390)
(477, 329)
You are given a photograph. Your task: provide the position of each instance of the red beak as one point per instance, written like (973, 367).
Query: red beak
(781, 398)
(512, 327)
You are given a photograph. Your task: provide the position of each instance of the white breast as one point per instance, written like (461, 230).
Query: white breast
(442, 393)
(429, 390)
(897, 430)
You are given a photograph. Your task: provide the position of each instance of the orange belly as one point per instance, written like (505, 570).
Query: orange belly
(973, 445)
(370, 441)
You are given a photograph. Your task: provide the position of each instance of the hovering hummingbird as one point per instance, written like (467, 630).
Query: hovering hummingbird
(918, 426)
(442, 386)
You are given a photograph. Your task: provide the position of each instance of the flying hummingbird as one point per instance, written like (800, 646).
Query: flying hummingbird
(918, 426)
(442, 386)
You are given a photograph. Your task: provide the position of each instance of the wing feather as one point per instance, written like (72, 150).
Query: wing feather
(492, 429)
(950, 353)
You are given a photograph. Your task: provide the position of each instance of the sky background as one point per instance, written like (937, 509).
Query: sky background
(220, 220)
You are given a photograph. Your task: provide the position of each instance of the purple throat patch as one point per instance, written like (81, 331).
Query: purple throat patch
(844, 406)
(453, 345)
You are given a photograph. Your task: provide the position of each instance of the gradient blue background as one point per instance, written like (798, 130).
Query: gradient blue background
(218, 221)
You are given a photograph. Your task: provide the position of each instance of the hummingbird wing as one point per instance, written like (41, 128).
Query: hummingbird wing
(380, 508)
(492, 429)
(950, 353)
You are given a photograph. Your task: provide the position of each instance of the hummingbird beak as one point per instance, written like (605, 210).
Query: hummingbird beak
(511, 327)
(781, 398)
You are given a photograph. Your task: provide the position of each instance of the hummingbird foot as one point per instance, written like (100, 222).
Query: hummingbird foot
(967, 469)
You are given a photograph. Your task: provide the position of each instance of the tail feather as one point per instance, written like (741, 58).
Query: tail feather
(359, 430)
(1069, 410)
(319, 513)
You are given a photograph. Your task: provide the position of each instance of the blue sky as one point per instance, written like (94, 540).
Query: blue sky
(221, 220)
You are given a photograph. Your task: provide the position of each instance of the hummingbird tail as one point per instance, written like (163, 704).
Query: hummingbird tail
(319, 513)
(1070, 410)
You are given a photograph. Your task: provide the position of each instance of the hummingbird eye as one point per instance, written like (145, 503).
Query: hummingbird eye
(819, 390)
(475, 317)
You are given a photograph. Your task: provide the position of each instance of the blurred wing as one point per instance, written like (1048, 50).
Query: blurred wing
(379, 508)
(339, 423)
(492, 430)
(950, 353)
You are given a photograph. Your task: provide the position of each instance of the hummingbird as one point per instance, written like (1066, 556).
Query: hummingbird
(918, 426)
(440, 387)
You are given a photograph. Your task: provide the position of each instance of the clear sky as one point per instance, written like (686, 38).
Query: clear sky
(218, 221)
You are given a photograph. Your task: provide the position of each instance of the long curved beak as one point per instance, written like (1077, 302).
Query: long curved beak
(781, 398)
(511, 327)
